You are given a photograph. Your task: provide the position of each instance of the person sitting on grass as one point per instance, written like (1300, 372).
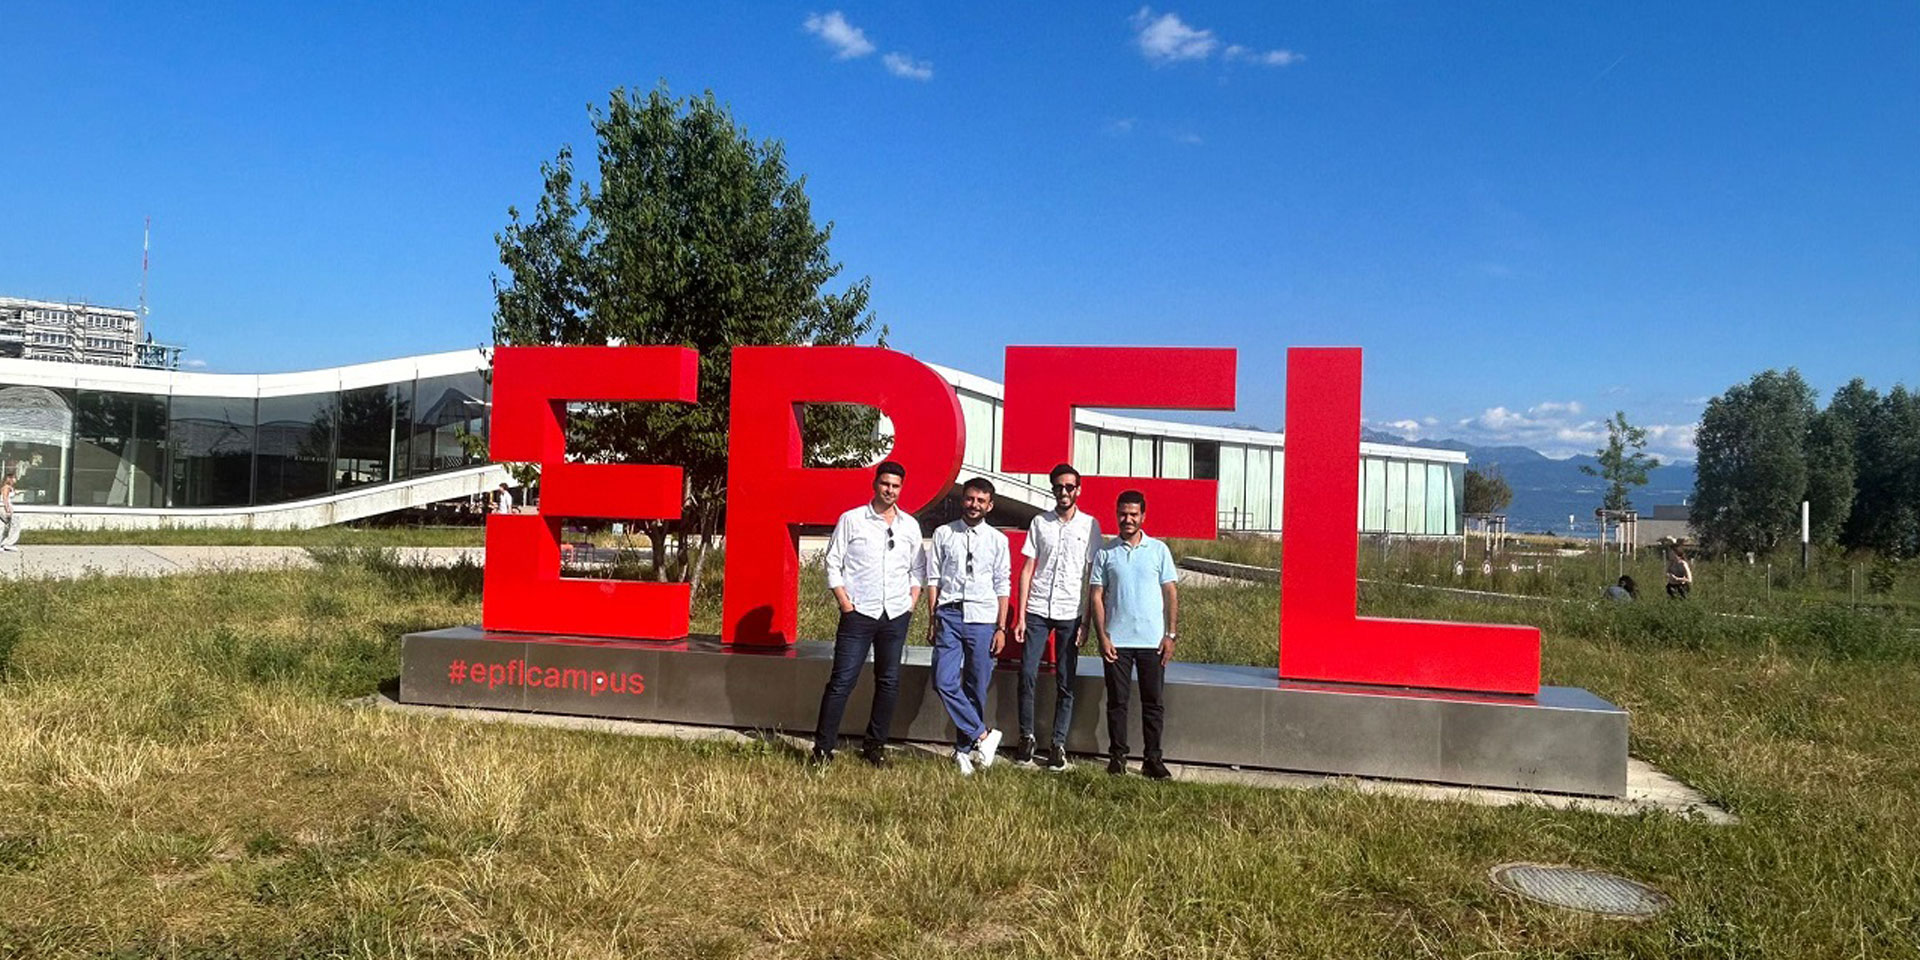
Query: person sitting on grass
(1623, 589)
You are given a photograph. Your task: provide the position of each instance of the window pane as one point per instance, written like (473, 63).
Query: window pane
(1259, 488)
(1086, 450)
(1439, 500)
(1374, 496)
(445, 409)
(1206, 460)
(1416, 498)
(367, 437)
(294, 455)
(402, 396)
(36, 436)
(1142, 456)
(1233, 487)
(212, 443)
(1114, 454)
(1176, 459)
(120, 457)
(1397, 496)
(978, 415)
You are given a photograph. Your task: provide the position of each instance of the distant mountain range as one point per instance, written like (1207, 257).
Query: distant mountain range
(1546, 491)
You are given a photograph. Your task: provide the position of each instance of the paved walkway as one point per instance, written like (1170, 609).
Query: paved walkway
(69, 562)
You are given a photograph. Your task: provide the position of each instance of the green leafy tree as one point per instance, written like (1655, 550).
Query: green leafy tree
(1486, 492)
(1624, 462)
(1752, 470)
(1851, 412)
(1830, 475)
(693, 234)
(1886, 516)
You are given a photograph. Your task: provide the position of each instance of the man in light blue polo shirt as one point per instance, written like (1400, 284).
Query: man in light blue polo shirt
(1136, 607)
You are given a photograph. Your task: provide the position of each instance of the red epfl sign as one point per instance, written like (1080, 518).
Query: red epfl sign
(770, 492)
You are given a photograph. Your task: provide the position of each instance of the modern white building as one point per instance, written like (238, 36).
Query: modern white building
(101, 446)
(80, 333)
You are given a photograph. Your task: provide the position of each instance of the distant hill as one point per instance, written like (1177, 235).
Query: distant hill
(1546, 490)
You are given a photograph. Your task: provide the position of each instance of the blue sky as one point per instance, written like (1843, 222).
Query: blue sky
(1529, 215)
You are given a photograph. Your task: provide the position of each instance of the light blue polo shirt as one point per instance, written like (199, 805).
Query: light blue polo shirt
(1130, 578)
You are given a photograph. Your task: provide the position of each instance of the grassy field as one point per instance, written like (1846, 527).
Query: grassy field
(180, 775)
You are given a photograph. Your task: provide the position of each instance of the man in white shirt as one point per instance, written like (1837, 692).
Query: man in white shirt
(875, 569)
(1059, 551)
(969, 577)
(503, 500)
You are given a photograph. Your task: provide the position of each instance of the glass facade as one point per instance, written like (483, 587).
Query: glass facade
(103, 448)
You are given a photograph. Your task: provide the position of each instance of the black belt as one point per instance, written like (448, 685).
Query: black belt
(953, 603)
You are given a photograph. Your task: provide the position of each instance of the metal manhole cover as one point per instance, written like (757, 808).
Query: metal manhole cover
(1577, 889)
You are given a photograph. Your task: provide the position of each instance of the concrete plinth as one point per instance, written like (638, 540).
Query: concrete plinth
(1564, 740)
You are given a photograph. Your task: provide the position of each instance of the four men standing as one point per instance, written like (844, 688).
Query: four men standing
(876, 569)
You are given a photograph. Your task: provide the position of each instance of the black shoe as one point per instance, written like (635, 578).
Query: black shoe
(1057, 758)
(819, 757)
(876, 756)
(1023, 753)
(1117, 765)
(1155, 770)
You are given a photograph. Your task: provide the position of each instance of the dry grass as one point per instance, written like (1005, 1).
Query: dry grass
(180, 776)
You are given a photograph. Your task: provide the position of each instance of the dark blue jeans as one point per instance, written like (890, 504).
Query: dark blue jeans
(885, 637)
(1066, 651)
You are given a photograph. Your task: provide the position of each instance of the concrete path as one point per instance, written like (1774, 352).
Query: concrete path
(70, 562)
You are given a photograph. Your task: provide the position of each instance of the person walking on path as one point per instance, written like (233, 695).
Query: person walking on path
(1059, 550)
(969, 576)
(1679, 573)
(503, 500)
(875, 566)
(1136, 610)
(9, 518)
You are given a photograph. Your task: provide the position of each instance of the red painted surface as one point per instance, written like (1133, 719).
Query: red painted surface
(1045, 384)
(769, 491)
(1321, 637)
(523, 588)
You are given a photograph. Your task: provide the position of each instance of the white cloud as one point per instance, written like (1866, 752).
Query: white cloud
(1409, 428)
(848, 41)
(901, 65)
(1190, 139)
(194, 364)
(1265, 58)
(1168, 39)
(1549, 408)
(1122, 126)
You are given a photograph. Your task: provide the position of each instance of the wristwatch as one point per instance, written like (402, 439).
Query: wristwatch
(1173, 634)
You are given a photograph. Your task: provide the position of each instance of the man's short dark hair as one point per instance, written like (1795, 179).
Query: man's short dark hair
(890, 466)
(1061, 470)
(981, 484)
(1134, 496)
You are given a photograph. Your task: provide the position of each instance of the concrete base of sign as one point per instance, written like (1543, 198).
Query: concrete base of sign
(1564, 740)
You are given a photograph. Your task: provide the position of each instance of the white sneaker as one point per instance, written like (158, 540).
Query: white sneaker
(964, 762)
(988, 746)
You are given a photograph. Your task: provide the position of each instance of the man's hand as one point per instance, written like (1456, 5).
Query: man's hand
(999, 641)
(1166, 650)
(1020, 629)
(1107, 652)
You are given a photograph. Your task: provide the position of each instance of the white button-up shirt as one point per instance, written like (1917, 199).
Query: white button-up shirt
(971, 564)
(1061, 553)
(878, 579)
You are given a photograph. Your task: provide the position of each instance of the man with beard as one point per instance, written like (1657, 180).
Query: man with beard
(1059, 549)
(1135, 609)
(969, 574)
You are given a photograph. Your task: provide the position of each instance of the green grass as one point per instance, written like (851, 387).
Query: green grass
(336, 536)
(179, 776)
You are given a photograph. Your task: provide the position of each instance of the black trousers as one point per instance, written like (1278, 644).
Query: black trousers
(1120, 673)
(886, 637)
